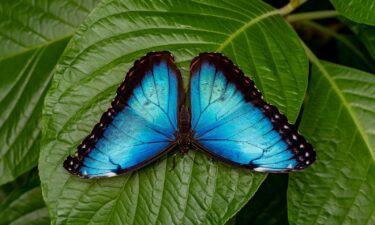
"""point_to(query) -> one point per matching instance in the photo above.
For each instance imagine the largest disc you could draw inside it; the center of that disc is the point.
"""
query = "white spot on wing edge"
(260, 169)
(111, 174)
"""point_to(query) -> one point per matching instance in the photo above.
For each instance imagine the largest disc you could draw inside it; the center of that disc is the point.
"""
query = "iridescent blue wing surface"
(230, 120)
(139, 127)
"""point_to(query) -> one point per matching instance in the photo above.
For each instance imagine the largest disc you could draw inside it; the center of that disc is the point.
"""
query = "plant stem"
(312, 15)
(340, 38)
(291, 6)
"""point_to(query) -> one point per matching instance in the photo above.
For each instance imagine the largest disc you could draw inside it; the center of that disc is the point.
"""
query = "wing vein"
(169, 90)
(236, 141)
(212, 86)
(250, 126)
(156, 89)
(157, 105)
(219, 125)
(134, 110)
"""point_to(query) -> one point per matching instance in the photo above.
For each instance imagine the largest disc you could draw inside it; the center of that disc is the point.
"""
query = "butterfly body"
(227, 119)
(184, 135)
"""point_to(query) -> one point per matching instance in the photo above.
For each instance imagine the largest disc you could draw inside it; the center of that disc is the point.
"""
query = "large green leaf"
(361, 11)
(23, 203)
(26, 24)
(339, 119)
(24, 80)
(33, 35)
(26, 208)
(185, 189)
(15, 188)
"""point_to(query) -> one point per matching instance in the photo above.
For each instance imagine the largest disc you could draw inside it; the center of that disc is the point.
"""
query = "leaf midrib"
(347, 106)
(245, 26)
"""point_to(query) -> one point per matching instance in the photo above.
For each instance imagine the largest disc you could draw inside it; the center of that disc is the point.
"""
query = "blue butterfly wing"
(139, 127)
(230, 120)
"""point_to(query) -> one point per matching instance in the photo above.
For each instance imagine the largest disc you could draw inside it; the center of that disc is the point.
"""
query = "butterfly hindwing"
(230, 120)
(139, 127)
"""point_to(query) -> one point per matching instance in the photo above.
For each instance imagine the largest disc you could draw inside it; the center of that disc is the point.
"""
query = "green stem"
(291, 6)
(340, 38)
(312, 15)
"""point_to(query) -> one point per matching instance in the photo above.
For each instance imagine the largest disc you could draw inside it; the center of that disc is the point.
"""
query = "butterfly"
(227, 119)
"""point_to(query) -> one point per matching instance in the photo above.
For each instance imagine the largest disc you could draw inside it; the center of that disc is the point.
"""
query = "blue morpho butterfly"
(227, 119)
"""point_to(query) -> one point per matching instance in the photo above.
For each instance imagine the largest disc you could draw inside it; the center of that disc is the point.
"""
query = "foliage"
(23, 203)
(29, 49)
(346, 133)
(361, 11)
(335, 108)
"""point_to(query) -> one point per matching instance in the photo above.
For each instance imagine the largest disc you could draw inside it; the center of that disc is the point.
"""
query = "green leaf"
(23, 203)
(360, 11)
(24, 182)
(339, 119)
(26, 24)
(27, 208)
(185, 189)
(32, 37)
(24, 81)
(365, 33)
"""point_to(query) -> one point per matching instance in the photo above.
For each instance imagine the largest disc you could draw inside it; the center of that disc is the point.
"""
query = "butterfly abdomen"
(184, 133)
(184, 120)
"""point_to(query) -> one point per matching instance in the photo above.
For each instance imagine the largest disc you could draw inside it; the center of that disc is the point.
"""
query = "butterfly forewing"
(141, 124)
(230, 120)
